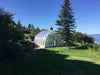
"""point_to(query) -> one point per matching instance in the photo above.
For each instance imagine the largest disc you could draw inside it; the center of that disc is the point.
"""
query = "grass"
(78, 54)
(54, 61)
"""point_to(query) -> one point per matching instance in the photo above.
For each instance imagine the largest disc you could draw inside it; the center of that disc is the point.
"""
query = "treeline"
(78, 37)
(29, 32)
(84, 41)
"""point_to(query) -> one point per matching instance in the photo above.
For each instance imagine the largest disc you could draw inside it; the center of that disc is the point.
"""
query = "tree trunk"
(1, 51)
(67, 46)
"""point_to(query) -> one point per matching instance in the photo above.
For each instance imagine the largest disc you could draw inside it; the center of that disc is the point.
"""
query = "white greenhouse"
(46, 39)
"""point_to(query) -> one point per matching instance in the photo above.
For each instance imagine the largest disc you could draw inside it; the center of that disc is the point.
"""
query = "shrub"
(94, 47)
(32, 38)
(14, 51)
(82, 45)
(28, 46)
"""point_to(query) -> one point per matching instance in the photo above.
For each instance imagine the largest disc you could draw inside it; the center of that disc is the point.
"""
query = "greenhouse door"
(55, 42)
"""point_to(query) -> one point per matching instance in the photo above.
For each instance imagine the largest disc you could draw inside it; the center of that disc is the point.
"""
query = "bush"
(94, 47)
(82, 45)
(14, 51)
(32, 38)
(28, 46)
(28, 43)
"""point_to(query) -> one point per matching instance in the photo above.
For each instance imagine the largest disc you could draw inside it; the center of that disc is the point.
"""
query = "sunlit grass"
(78, 54)
(54, 61)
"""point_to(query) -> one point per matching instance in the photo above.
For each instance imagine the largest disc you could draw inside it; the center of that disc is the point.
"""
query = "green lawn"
(78, 54)
(54, 61)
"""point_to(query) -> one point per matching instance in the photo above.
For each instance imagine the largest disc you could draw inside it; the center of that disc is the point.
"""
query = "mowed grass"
(54, 61)
(78, 54)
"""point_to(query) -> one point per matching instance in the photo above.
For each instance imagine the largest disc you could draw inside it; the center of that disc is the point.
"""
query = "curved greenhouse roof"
(43, 35)
(45, 39)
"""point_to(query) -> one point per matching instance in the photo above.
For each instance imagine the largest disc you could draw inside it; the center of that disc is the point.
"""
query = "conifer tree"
(29, 26)
(51, 28)
(32, 26)
(19, 25)
(66, 22)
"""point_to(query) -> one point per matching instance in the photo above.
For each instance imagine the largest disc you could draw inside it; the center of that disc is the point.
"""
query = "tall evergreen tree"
(32, 26)
(51, 28)
(66, 22)
(29, 26)
(23, 27)
(37, 29)
(19, 25)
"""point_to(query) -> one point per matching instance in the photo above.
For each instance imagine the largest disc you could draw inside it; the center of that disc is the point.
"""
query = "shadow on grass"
(80, 47)
(48, 63)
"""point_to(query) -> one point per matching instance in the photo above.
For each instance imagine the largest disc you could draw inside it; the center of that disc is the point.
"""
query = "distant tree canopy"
(29, 26)
(44, 29)
(32, 26)
(79, 37)
(19, 25)
(51, 28)
(30, 31)
(35, 31)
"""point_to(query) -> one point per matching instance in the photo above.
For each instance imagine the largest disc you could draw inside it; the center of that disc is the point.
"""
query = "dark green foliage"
(27, 43)
(82, 41)
(44, 29)
(31, 31)
(32, 38)
(19, 25)
(82, 46)
(5, 19)
(32, 26)
(9, 33)
(88, 39)
(78, 37)
(23, 27)
(15, 34)
(51, 28)
(66, 22)
(94, 47)
(29, 26)
(26, 31)
(29, 46)
(14, 51)
(35, 31)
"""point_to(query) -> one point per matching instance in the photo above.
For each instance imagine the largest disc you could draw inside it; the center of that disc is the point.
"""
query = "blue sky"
(44, 13)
